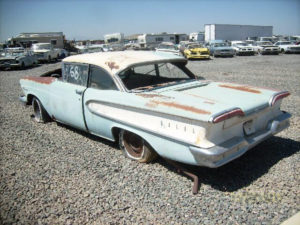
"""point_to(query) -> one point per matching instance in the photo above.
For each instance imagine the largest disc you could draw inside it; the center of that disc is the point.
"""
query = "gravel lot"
(53, 174)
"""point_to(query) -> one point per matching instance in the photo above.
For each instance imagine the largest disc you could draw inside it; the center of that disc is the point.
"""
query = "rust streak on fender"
(112, 65)
(154, 103)
(241, 88)
(42, 80)
(152, 96)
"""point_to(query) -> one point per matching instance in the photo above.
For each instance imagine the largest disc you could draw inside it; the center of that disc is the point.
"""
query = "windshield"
(221, 45)
(153, 76)
(241, 44)
(264, 43)
(285, 43)
(14, 53)
(194, 46)
(172, 47)
(41, 46)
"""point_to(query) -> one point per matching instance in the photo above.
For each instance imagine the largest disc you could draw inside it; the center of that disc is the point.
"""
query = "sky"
(91, 19)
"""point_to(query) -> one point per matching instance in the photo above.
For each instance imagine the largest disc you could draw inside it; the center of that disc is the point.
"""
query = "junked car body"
(17, 58)
(220, 48)
(242, 48)
(168, 47)
(196, 51)
(153, 104)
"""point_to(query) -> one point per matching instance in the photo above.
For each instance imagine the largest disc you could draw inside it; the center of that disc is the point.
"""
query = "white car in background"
(242, 48)
(45, 52)
(168, 47)
(287, 47)
(266, 47)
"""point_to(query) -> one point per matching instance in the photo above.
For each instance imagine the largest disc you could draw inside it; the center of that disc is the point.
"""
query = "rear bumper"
(235, 147)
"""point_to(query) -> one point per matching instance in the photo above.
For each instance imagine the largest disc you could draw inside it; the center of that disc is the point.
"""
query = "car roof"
(117, 61)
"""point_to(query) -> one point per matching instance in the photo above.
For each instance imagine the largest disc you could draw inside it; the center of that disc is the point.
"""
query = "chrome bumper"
(227, 151)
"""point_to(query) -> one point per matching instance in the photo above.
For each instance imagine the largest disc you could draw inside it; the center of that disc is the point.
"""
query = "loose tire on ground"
(40, 114)
(135, 147)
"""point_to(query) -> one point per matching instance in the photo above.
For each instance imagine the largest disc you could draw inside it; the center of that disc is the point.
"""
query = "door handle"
(79, 92)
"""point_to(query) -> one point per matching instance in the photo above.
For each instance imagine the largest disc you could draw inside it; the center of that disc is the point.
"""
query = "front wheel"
(40, 114)
(135, 147)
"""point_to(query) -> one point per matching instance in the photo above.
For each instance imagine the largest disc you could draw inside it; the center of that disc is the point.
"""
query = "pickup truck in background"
(45, 52)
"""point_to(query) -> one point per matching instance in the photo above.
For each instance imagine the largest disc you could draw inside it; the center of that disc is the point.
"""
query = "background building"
(235, 32)
(116, 38)
(153, 40)
(27, 39)
(197, 36)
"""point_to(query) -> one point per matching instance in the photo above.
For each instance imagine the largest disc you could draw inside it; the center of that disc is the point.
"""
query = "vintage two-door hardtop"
(153, 104)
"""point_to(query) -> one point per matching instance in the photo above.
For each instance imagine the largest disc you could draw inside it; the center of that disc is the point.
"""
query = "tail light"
(278, 96)
(226, 115)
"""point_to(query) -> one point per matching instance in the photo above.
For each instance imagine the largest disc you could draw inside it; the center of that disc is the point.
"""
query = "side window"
(75, 73)
(100, 79)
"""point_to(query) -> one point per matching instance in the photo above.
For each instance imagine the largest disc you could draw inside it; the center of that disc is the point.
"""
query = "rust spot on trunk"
(154, 103)
(241, 88)
(42, 80)
(153, 96)
(112, 65)
(207, 102)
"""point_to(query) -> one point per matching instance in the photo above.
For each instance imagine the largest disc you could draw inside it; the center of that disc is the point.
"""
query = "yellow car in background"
(196, 51)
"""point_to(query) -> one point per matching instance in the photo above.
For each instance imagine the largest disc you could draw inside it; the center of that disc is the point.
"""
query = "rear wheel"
(40, 114)
(135, 147)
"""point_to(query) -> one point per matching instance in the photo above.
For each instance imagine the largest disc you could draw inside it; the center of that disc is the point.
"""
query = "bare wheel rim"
(133, 144)
(36, 110)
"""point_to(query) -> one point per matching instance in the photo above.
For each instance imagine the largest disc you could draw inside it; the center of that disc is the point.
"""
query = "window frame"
(116, 83)
(79, 64)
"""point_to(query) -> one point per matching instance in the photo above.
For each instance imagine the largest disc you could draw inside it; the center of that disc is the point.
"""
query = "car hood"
(223, 48)
(8, 58)
(200, 100)
(41, 51)
(198, 49)
(268, 46)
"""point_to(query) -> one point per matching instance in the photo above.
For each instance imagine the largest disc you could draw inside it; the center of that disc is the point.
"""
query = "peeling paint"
(42, 80)
(241, 88)
(207, 102)
(112, 65)
(154, 103)
(153, 96)
(197, 96)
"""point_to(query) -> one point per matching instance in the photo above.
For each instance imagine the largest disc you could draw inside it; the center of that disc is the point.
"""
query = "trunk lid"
(201, 100)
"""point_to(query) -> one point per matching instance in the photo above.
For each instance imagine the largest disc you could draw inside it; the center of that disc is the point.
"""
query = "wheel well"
(29, 99)
(115, 132)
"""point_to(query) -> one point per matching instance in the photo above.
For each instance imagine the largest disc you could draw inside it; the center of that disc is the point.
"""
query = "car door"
(101, 89)
(67, 95)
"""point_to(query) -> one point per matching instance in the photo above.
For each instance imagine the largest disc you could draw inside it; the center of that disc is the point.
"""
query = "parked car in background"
(17, 58)
(196, 51)
(242, 48)
(45, 52)
(63, 53)
(168, 47)
(220, 48)
(288, 47)
(266, 47)
(153, 104)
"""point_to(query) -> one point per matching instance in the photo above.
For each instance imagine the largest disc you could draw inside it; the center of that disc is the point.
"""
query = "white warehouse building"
(114, 38)
(153, 40)
(235, 32)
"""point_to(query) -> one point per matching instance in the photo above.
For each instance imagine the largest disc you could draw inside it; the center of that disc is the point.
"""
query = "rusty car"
(152, 104)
